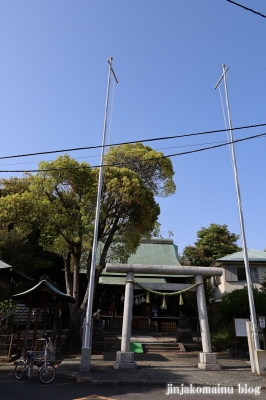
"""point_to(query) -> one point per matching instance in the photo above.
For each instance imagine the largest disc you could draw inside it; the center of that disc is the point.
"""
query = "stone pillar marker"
(257, 357)
(207, 359)
(125, 357)
(251, 347)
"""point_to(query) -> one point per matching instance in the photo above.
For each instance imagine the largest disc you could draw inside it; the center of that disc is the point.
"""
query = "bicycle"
(47, 371)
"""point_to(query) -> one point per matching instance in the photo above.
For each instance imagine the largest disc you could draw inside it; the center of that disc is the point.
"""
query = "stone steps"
(195, 346)
(160, 347)
(151, 347)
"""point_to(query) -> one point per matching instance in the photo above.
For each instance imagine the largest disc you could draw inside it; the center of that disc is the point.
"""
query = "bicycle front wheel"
(20, 369)
(47, 373)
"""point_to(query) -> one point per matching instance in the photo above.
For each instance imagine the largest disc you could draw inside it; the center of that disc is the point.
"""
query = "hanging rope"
(163, 293)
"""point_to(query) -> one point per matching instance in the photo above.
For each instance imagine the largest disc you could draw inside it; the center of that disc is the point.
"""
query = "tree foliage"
(236, 304)
(60, 201)
(155, 170)
(21, 249)
(19, 230)
(212, 243)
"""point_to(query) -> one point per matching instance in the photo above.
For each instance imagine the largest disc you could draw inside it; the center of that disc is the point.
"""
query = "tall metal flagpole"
(242, 228)
(87, 335)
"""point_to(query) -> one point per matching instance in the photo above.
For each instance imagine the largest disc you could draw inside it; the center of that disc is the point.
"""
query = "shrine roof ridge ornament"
(167, 269)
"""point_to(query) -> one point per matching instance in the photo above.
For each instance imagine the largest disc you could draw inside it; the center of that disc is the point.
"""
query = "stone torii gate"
(125, 358)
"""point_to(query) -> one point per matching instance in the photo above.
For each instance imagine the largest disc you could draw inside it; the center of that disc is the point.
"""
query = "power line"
(97, 156)
(131, 142)
(246, 8)
(148, 159)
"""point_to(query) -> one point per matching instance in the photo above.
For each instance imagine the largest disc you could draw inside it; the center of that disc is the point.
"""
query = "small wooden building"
(47, 298)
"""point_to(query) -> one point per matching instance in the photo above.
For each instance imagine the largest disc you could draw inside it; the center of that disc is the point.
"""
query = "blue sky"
(168, 56)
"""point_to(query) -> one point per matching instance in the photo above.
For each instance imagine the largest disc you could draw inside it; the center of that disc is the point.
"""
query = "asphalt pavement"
(160, 370)
(173, 373)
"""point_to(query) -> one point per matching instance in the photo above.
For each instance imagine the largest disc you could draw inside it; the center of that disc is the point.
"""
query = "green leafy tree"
(155, 170)
(236, 304)
(21, 249)
(19, 236)
(212, 243)
(60, 199)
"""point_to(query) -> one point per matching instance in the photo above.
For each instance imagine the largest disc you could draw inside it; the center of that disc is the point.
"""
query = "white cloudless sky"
(168, 56)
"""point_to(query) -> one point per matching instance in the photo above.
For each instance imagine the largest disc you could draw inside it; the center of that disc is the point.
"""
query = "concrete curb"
(102, 382)
(258, 381)
(157, 370)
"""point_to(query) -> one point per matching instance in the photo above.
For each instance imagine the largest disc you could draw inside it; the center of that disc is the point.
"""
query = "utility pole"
(253, 316)
(88, 326)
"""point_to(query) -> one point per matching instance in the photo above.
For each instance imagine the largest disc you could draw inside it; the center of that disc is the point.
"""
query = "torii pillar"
(125, 358)
(207, 359)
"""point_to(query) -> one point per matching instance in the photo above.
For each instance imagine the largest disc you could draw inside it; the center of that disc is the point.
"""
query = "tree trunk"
(101, 265)
(68, 275)
(104, 253)
(73, 342)
(85, 298)
(77, 256)
(73, 336)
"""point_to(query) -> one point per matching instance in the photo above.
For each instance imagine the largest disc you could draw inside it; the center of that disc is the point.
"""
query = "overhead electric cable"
(131, 142)
(97, 156)
(148, 159)
(246, 8)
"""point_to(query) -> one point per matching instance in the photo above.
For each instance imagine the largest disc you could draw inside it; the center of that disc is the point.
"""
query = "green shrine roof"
(156, 252)
(253, 255)
(150, 252)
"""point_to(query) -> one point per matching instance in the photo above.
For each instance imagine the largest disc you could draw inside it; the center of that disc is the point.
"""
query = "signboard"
(240, 326)
(262, 322)
(21, 315)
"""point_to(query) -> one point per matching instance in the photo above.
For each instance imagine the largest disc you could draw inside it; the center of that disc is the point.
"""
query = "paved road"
(11, 389)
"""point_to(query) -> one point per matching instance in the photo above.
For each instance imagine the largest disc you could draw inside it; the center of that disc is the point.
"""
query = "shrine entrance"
(125, 358)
